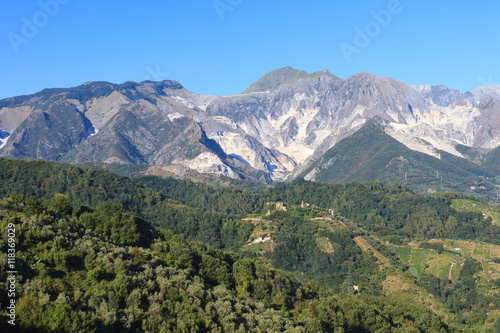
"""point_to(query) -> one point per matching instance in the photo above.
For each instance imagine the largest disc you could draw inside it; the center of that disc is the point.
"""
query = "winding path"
(451, 268)
(437, 264)
(365, 246)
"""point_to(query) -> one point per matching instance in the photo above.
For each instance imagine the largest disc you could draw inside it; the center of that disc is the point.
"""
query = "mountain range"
(288, 123)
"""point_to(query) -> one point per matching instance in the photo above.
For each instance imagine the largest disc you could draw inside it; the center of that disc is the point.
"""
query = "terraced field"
(366, 247)
(397, 283)
(449, 262)
(419, 261)
(324, 244)
(328, 224)
(406, 290)
(475, 206)
(404, 252)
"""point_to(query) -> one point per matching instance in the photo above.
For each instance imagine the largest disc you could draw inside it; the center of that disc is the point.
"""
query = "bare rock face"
(273, 131)
(306, 117)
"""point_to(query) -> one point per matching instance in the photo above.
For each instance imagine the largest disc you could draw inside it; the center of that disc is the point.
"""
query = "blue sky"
(222, 46)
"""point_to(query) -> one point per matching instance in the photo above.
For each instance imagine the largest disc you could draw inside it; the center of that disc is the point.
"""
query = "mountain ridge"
(282, 76)
(274, 132)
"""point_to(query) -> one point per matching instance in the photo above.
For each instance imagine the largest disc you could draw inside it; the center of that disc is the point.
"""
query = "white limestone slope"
(3, 141)
(100, 110)
(208, 162)
(440, 128)
(297, 127)
(282, 130)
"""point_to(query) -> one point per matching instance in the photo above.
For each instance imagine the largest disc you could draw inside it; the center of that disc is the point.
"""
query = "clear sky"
(221, 47)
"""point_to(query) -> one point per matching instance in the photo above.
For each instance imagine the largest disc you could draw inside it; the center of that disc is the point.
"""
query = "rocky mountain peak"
(292, 121)
(165, 84)
(363, 77)
(481, 92)
(282, 76)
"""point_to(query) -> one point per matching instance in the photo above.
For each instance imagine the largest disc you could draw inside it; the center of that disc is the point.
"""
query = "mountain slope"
(101, 256)
(49, 132)
(372, 155)
(131, 123)
(274, 131)
(492, 161)
(281, 76)
(93, 279)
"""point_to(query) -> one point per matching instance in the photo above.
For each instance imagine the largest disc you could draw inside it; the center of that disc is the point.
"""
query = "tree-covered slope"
(370, 154)
(492, 161)
(85, 186)
(88, 270)
(331, 234)
(211, 214)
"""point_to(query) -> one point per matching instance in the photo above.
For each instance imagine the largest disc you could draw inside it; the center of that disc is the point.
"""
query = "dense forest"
(102, 269)
(388, 209)
(84, 232)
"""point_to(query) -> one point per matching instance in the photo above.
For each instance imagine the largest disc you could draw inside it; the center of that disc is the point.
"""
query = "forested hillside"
(103, 270)
(342, 239)
(388, 209)
(370, 155)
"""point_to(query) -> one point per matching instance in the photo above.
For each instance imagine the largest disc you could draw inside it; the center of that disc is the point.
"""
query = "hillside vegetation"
(380, 243)
(102, 269)
(372, 155)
